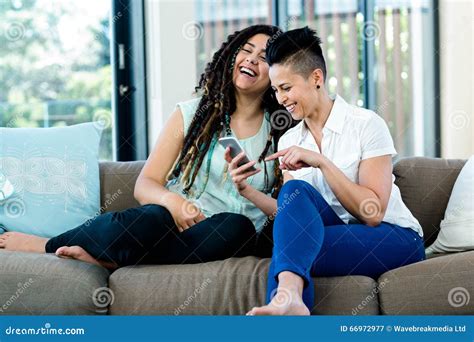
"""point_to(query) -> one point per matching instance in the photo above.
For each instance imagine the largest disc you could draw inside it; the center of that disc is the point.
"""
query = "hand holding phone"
(240, 168)
(235, 150)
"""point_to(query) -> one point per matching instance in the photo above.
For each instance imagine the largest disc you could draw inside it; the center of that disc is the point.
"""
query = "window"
(55, 65)
(218, 19)
(380, 54)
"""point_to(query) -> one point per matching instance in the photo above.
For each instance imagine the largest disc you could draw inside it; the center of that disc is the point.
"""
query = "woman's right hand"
(185, 214)
(239, 174)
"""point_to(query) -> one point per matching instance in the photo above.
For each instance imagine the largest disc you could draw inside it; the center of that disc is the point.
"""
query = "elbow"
(371, 212)
(375, 220)
(137, 193)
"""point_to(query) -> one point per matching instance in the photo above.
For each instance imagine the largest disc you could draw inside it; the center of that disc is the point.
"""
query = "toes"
(250, 313)
(258, 311)
(65, 251)
(264, 310)
(60, 250)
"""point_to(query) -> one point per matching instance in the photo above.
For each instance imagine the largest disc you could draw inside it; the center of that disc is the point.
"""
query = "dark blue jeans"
(311, 240)
(148, 235)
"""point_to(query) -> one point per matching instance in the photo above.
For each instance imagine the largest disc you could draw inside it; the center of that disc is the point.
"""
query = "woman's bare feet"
(285, 302)
(79, 253)
(288, 300)
(15, 241)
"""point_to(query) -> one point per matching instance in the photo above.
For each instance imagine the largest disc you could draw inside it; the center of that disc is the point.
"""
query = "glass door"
(55, 67)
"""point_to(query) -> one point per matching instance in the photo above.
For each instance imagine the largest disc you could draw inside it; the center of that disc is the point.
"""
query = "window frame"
(129, 101)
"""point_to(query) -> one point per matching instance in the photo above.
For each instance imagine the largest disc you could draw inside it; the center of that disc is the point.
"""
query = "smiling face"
(250, 73)
(297, 93)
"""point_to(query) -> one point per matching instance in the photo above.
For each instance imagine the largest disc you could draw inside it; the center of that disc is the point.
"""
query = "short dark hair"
(300, 48)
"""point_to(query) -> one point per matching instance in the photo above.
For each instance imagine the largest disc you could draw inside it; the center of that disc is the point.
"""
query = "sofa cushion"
(425, 185)
(55, 177)
(228, 287)
(437, 286)
(43, 284)
(117, 181)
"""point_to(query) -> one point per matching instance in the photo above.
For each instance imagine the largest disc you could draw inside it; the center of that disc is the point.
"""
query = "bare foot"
(285, 302)
(14, 241)
(79, 253)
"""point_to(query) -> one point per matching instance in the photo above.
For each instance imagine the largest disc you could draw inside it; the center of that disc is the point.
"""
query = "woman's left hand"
(238, 173)
(295, 158)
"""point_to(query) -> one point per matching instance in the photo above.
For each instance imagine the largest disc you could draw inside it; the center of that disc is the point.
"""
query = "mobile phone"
(235, 149)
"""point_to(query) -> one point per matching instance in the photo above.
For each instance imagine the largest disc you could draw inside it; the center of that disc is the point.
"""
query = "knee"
(294, 188)
(293, 185)
(243, 224)
(153, 213)
(245, 236)
(236, 228)
(138, 221)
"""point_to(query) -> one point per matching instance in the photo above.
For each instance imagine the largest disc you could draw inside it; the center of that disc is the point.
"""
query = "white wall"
(456, 79)
(171, 66)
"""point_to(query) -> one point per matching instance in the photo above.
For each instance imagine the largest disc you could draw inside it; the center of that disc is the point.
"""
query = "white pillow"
(457, 227)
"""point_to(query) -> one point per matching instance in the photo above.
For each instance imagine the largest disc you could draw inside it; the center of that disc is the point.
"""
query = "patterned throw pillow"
(53, 177)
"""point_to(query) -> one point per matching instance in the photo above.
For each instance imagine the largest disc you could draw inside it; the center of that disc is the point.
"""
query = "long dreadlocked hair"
(218, 98)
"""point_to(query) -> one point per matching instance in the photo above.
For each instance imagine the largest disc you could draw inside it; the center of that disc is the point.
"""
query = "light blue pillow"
(55, 177)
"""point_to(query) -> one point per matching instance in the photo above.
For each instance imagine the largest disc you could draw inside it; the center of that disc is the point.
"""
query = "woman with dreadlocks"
(190, 210)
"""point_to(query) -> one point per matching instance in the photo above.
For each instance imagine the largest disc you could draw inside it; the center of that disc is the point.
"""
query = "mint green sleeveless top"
(220, 194)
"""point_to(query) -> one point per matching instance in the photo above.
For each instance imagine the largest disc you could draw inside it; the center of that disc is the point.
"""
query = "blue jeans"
(311, 240)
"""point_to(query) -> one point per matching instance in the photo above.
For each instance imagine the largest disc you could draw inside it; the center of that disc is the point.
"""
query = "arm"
(150, 186)
(265, 203)
(367, 200)
(239, 175)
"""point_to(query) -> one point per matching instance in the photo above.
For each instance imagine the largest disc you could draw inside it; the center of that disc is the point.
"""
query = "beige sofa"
(45, 285)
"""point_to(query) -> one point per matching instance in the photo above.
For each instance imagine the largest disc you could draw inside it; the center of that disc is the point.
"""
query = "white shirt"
(351, 134)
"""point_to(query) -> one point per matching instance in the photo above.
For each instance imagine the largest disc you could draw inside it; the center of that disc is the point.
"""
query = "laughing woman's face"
(251, 69)
(294, 91)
